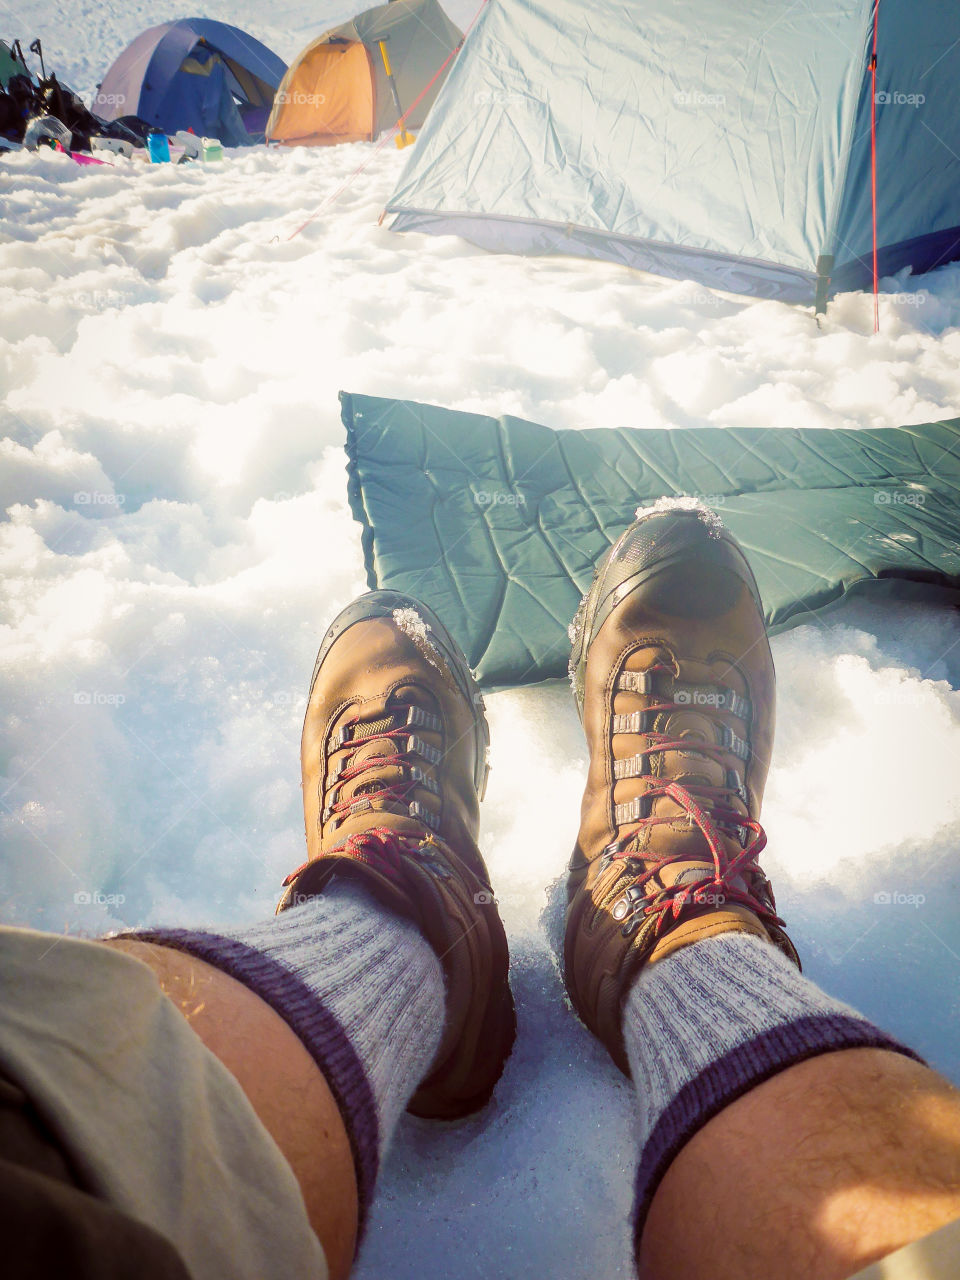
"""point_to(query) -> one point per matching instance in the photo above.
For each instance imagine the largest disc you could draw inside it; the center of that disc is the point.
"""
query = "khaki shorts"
(150, 1121)
(156, 1127)
(934, 1257)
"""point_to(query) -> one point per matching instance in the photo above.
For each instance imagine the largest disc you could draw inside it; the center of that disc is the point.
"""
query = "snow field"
(177, 536)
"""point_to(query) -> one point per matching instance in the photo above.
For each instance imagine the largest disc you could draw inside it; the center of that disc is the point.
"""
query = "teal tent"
(10, 65)
(726, 143)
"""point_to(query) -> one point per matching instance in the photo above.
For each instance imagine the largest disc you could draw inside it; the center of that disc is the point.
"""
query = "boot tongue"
(695, 731)
(382, 715)
(688, 768)
(371, 728)
(379, 718)
(701, 724)
(413, 695)
(374, 779)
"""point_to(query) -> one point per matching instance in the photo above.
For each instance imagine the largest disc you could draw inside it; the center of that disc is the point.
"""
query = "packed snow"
(177, 536)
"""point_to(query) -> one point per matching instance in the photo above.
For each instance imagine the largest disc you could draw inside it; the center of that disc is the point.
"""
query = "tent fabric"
(156, 78)
(201, 98)
(10, 66)
(312, 107)
(729, 144)
(342, 77)
(497, 523)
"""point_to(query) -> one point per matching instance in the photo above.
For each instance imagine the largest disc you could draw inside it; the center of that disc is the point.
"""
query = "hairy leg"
(281, 1081)
(816, 1173)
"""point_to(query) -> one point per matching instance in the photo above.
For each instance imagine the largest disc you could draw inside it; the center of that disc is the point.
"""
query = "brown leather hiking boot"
(394, 760)
(674, 682)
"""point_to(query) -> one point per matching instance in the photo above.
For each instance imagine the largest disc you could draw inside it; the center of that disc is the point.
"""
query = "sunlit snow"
(177, 536)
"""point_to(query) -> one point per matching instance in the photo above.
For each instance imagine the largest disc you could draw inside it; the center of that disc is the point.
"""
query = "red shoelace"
(381, 849)
(413, 778)
(719, 812)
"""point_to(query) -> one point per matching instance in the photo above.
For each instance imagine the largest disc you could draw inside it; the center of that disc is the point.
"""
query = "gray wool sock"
(708, 1023)
(361, 987)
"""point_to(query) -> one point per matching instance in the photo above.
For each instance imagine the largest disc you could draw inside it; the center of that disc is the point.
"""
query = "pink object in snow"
(81, 157)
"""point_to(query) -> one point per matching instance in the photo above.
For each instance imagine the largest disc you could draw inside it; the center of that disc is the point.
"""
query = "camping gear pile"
(202, 84)
(40, 109)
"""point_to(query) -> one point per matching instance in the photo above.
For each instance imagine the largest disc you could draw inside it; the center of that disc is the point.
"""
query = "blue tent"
(194, 74)
(724, 143)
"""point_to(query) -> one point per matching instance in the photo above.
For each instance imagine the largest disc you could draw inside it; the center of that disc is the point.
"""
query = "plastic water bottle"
(159, 148)
(212, 150)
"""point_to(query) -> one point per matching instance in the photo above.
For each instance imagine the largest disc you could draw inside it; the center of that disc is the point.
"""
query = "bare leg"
(815, 1174)
(281, 1081)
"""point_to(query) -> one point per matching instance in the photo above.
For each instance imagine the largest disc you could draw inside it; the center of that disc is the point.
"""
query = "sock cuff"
(318, 1029)
(735, 1073)
(711, 1022)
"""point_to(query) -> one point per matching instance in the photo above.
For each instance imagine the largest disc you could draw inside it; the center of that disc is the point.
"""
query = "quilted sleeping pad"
(497, 523)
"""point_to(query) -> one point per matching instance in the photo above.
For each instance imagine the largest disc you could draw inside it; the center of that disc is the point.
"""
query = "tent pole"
(403, 139)
(824, 271)
(873, 166)
(37, 48)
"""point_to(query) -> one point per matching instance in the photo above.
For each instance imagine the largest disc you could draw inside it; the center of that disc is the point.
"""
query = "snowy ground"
(177, 536)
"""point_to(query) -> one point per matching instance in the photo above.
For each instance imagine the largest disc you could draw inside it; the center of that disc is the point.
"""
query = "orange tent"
(338, 89)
